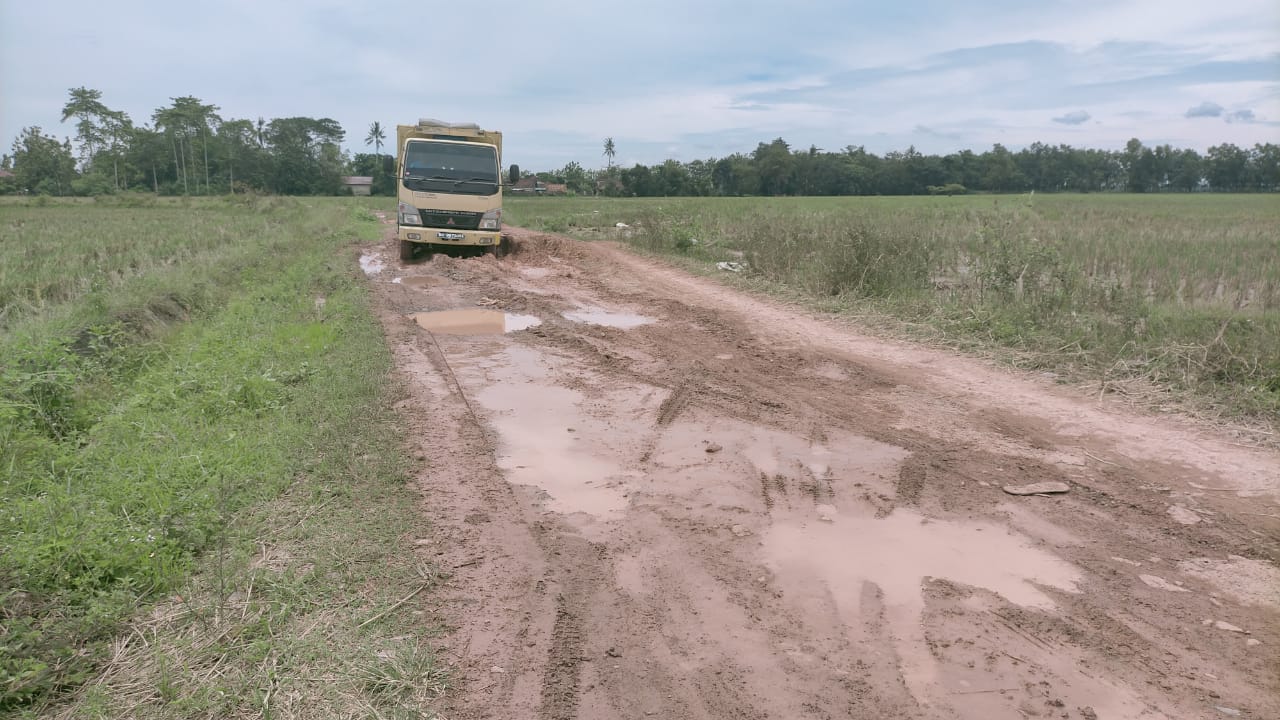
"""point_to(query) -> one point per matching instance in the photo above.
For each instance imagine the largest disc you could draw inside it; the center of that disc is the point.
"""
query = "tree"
(776, 167)
(306, 153)
(1226, 167)
(609, 150)
(575, 178)
(41, 164)
(1265, 163)
(376, 137)
(183, 122)
(86, 106)
(1001, 172)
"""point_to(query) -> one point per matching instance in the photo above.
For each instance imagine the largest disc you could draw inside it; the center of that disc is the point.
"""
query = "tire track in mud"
(562, 676)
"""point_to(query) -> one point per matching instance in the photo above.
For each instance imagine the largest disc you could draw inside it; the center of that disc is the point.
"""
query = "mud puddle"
(835, 555)
(473, 322)
(608, 318)
(551, 439)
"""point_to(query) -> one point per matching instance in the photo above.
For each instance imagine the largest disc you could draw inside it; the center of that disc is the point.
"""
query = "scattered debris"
(1126, 561)
(1224, 625)
(740, 530)
(496, 669)
(1040, 488)
(827, 513)
(621, 226)
(371, 264)
(1252, 642)
(731, 266)
(1160, 583)
(613, 652)
(1229, 712)
(714, 448)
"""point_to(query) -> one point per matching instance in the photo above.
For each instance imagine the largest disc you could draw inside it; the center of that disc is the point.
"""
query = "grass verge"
(206, 511)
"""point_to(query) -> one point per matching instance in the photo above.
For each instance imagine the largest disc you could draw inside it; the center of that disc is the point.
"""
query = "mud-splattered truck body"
(449, 187)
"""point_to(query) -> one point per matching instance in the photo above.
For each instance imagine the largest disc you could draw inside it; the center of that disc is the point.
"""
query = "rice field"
(1172, 297)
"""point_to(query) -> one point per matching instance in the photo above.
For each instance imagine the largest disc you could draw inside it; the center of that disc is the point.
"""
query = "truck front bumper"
(443, 236)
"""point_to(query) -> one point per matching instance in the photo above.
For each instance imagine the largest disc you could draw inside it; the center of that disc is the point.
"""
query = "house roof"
(5, 173)
(357, 180)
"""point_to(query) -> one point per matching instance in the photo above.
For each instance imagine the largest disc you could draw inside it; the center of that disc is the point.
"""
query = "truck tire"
(406, 250)
(503, 248)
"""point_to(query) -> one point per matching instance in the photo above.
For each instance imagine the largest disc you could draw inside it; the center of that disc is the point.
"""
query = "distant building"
(6, 174)
(531, 184)
(357, 185)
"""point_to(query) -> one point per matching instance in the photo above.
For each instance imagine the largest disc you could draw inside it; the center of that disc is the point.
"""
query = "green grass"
(1179, 294)
(203, 489)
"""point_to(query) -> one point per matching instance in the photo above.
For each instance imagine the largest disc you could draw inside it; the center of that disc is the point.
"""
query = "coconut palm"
(376, 137)
(609, 150)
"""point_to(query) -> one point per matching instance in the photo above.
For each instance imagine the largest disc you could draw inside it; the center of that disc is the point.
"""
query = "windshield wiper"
(476, 179)
(424, 177)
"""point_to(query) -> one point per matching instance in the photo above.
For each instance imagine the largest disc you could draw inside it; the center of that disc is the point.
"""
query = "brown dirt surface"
(670, 499)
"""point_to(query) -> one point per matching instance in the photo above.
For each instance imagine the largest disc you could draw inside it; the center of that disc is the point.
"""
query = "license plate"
(450, 236)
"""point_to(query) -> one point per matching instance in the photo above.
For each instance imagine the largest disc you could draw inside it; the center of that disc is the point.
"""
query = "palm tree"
(376, 137)
(609, 150)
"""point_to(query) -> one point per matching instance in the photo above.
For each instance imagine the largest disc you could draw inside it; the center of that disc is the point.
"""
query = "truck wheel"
(406, 251)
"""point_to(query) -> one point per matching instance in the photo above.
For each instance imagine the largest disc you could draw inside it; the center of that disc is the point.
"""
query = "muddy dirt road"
(661, 498)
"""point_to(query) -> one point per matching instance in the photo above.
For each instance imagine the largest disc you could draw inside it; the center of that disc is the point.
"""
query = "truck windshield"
(450, 167)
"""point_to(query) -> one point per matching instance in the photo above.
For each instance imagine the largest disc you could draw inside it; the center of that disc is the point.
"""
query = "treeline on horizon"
(189, 149)
(775, 169)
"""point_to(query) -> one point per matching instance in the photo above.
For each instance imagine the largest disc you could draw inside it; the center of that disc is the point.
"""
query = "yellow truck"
(449, 187)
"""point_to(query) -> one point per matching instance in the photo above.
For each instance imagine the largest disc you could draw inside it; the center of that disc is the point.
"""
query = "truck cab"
(449, 188)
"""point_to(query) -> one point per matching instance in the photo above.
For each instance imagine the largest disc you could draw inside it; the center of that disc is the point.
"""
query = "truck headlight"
(408, 214)
(491, 220)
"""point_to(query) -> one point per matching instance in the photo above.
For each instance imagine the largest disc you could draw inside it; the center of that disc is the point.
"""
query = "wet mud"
(720, 507)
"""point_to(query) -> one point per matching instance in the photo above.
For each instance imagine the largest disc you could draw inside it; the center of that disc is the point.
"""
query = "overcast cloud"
(673, 78)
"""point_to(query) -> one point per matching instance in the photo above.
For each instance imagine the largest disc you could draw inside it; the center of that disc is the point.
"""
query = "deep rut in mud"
(658, 497)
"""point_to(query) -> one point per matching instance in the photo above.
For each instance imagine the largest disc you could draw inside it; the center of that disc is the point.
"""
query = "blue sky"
(680, 79)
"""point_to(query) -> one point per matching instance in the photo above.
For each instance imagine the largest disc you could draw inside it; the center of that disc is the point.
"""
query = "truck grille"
(451, 219)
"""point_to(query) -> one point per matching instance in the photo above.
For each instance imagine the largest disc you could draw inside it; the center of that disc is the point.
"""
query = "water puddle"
(897, 553)
(371, 264)
(549, 439)
(608, 318)
(473, 322)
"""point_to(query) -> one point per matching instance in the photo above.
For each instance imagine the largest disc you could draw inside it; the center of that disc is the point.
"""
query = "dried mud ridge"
(668, 499)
